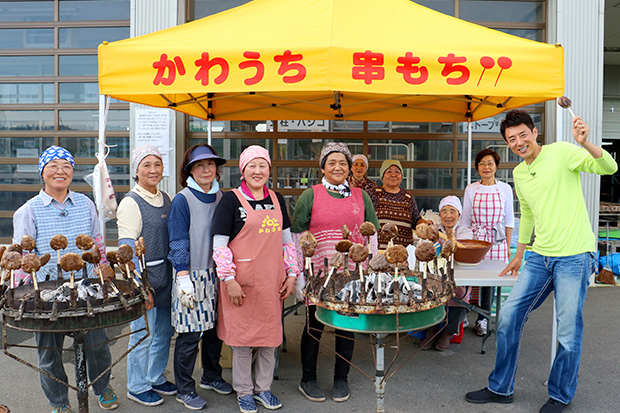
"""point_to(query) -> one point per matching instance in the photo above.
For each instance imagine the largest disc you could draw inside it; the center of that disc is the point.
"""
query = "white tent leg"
(209, 131)
(104, 105)
(469, 145)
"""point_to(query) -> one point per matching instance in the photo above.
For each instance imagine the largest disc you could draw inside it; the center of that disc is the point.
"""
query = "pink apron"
(329, 214)
(257, 253)
(488, 210)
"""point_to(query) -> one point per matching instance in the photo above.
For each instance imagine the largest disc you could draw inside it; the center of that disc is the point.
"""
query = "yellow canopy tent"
(332, 59)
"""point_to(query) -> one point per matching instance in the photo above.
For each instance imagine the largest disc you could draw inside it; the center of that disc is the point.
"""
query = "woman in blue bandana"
(56, 208)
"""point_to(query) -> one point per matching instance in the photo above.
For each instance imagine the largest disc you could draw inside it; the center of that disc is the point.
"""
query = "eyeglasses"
(55, 168)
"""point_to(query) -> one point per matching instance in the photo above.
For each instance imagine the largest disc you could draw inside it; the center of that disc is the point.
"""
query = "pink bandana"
(253, 152)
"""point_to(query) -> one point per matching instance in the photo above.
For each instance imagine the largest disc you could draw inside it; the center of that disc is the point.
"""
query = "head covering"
(139, 153)
(331, 147)
(362, 157)
(452, 201)
(203, 152)
(387, 163)
(54, 152)
(253, 152)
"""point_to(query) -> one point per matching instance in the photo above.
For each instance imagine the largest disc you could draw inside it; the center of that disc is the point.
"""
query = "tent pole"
(469, 145)
(209, 130)
(103, 116)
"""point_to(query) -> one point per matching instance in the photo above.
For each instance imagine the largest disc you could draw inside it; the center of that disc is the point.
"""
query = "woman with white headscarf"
(143, 212)
(359, 174)
(450, 210)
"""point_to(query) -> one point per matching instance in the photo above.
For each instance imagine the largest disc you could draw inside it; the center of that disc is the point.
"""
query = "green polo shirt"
(549, 191)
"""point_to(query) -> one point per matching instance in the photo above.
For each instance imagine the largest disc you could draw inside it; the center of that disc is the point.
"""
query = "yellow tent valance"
(332, 59)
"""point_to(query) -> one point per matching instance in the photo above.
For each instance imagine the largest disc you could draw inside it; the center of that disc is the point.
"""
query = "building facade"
(49, 95)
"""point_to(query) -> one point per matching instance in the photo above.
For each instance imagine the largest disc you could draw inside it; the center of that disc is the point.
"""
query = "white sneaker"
(481, 327)
(465, 323)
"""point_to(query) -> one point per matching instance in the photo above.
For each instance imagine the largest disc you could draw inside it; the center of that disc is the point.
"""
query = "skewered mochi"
(111, 257)
(45, 258)
(344, 245)
(139, 247)
(379, 263)
(31, 263)
(96, 254)
(124, 254)
(448, 248)
(565, 102)
(88, 256)
(11, 260)
(308, 243)
(15, 248)
(84, 242)
(367, 229)
(71, 262)
(345, 232)
(28, 243)
(2, 251)
(358, 253)
(59, 242)
(427, 231)
(107, 272)
(132, 267)
(432, 233)
(425, 251)
(337, 260)
(389, 230)
(396, 254)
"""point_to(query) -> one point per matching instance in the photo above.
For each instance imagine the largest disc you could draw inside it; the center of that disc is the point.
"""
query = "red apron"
(257, 253)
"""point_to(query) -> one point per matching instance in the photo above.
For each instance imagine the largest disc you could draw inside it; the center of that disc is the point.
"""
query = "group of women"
(203, 229)
(486, 214)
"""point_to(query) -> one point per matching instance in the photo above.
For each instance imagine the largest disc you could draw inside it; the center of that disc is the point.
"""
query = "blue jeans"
(568, 278)
(98, 359)
(147, 362)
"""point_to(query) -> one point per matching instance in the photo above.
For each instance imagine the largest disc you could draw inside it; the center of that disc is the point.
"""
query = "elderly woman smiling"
(322, 210)
(359, 174)
(395, 205)
(450, 210)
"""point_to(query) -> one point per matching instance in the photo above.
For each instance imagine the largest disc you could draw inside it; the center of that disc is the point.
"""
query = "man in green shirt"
(548, 186)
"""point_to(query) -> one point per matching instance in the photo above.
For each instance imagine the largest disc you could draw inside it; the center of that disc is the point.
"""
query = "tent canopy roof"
(332, 59)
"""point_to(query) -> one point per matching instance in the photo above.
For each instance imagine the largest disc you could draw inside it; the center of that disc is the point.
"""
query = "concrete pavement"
(429, 382)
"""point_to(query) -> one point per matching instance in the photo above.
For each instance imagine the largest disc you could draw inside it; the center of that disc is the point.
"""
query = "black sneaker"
(312, 391)
(487, 396)
(341, 391)
(553, 406)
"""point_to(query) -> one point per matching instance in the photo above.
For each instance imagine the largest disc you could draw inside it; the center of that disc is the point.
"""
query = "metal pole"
(81, 380)
(209, 131)
(104, 105)
(380, 372)
(469, 145)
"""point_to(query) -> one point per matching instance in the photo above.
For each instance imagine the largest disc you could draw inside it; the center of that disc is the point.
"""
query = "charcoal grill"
(28, 314)
(381, 320)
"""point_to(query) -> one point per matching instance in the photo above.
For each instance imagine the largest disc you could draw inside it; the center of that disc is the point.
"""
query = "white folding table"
(484, 274)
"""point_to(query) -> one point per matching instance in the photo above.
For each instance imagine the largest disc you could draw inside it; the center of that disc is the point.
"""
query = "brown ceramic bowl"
(473, 253)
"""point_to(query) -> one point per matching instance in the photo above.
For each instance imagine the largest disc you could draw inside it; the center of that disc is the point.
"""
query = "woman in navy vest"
(143, 212)
(194, 294)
